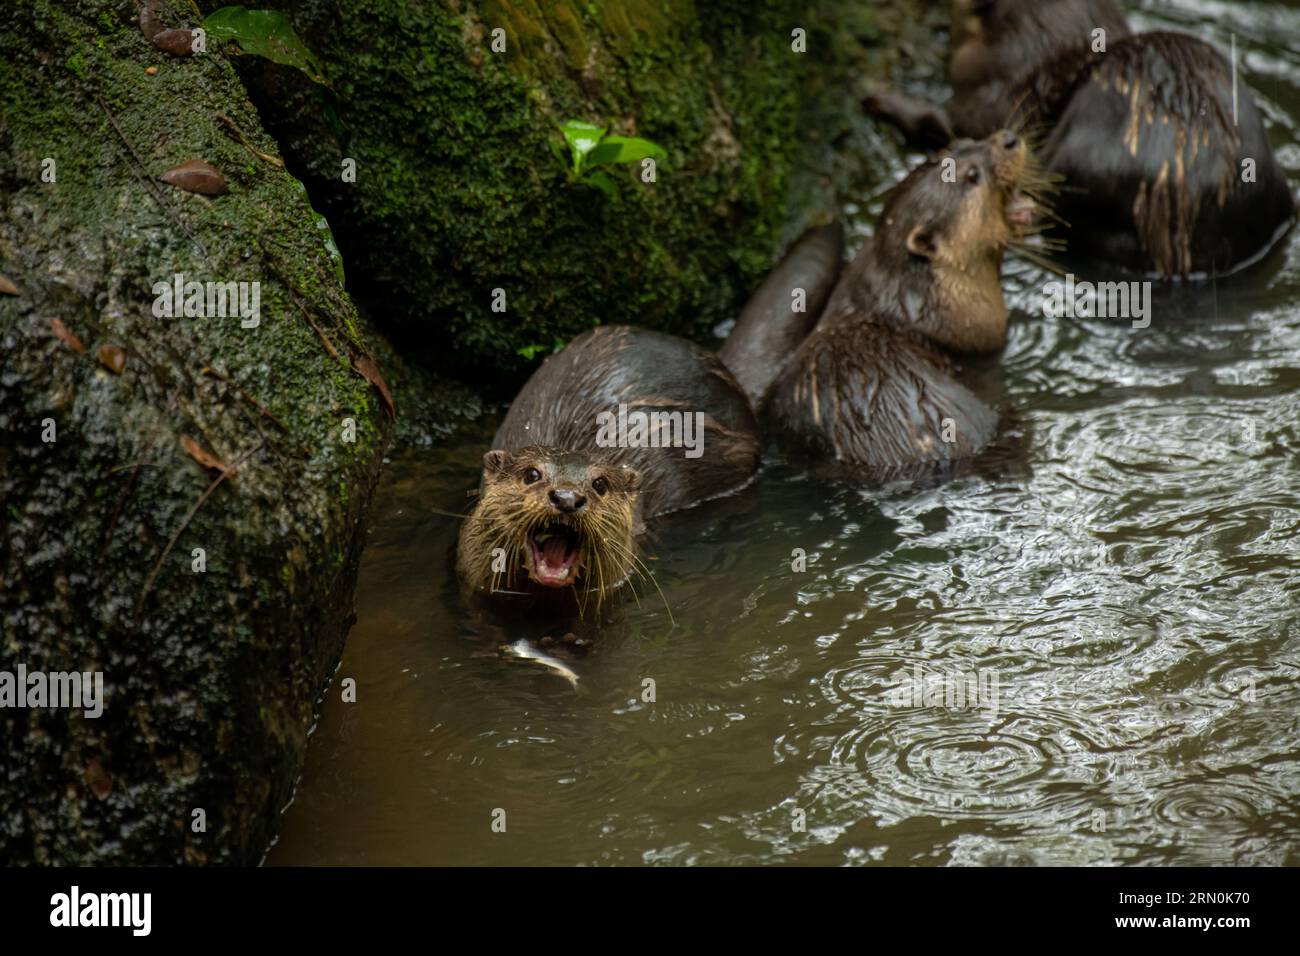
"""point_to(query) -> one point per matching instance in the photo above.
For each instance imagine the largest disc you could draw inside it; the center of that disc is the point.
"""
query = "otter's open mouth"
(1020, 211)
(553, 554)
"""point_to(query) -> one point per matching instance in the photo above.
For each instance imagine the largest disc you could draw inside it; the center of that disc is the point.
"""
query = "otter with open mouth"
(561, 507)
(876, 387)
(550, 518)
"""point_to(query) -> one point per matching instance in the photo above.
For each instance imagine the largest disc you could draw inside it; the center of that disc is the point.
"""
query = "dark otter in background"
(874, 387)
(572, 479)
(1162, 175)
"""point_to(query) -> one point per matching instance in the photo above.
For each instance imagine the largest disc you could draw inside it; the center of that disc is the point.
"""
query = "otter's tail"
(784, 310)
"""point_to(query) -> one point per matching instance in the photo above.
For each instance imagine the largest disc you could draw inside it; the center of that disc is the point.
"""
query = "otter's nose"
(567, 500)
(1008, 140)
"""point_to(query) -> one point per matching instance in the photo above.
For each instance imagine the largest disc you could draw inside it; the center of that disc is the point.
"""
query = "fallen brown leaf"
(175, 42)
(113, 358)
(196, 451)
(66, 337)
(7, 287)
(196, 176)
(98, 779)
(368, 369)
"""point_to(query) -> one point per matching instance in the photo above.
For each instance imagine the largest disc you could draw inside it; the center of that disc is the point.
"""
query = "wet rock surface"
(449, 112)
(181, 496)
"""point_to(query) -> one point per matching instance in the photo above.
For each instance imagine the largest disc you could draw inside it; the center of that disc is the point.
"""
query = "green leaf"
(264, 33)
(601, 181)
(531, 352)
(582, 139)
(558, 150)
(623, 149)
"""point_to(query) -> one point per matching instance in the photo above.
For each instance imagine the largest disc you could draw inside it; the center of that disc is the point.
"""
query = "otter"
(784, 309)
(1165, 174)
(621, 426)
(875, 387)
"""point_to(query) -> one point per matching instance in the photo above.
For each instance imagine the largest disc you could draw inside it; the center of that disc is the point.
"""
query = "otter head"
(560, 519)
(988, 22)
(939, 244)
(969, 19)
(974, 64)
(997, 47)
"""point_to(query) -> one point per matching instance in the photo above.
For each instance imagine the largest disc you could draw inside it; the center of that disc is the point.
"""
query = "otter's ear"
(920, 242)
(496, 460)
(631, 478)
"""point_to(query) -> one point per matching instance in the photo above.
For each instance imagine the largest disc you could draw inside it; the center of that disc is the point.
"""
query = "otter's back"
(874, 398)
(1150, 142)
(588, 398)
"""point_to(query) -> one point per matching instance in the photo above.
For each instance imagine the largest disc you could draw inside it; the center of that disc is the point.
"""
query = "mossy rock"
(457, 192)
(211, 678)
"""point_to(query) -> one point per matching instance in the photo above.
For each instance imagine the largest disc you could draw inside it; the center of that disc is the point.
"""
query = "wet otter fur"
(784, 310)
(1143, 133)
(875, 388)
(560, 511)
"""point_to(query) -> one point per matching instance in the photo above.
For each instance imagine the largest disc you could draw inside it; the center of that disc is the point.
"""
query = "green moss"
(457, 192)
(77, 63)
(247, 645)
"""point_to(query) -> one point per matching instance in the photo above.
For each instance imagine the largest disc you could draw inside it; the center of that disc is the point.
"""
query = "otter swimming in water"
(1164, 172)
(875, 387)
(622, 426)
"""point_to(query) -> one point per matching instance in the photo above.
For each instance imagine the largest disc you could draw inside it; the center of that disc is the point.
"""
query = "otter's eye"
(531, 476)
(973, 175)
(600, 485)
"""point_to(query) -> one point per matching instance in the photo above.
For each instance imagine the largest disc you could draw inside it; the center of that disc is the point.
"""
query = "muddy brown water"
(1114, 592)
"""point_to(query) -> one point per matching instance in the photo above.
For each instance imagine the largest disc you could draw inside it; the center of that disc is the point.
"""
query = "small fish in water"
(526, 651)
